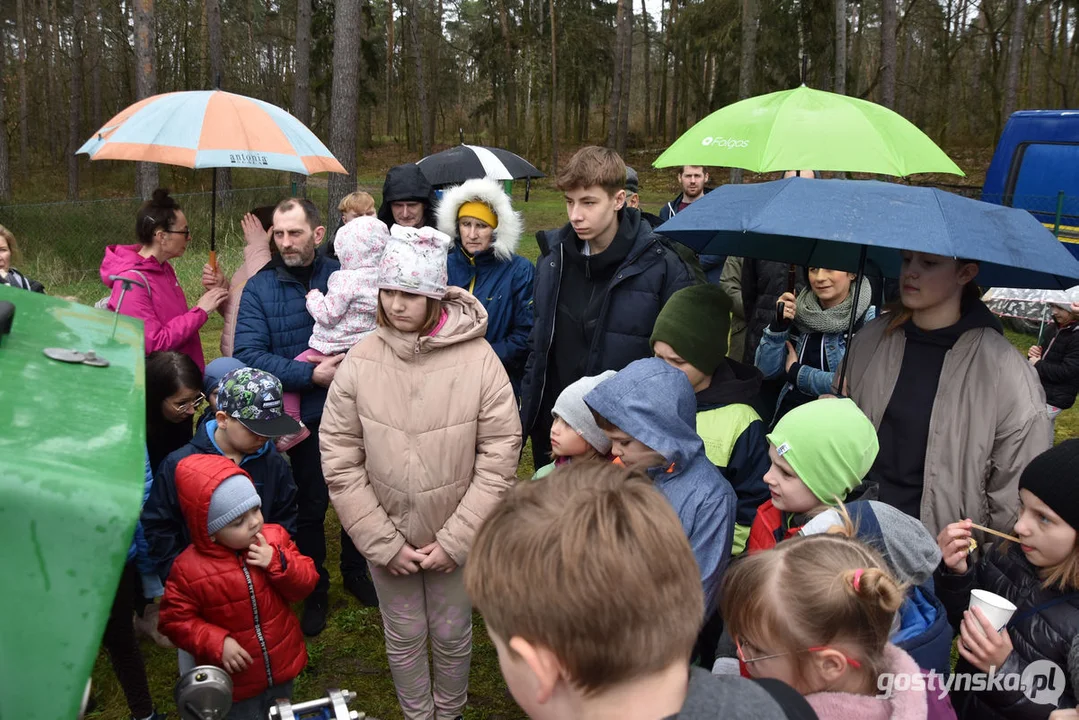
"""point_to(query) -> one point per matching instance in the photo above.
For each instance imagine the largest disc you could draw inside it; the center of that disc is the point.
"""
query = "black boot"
(361, 587)
(314, 615)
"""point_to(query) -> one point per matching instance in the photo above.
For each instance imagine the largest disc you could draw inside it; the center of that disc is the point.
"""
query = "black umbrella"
(465, 162)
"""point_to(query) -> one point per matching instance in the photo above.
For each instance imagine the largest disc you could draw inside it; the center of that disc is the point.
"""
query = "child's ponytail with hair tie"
(875, 586)
(857, 581)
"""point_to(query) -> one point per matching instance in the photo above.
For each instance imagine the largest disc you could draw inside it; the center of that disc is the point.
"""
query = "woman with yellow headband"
(483, 260)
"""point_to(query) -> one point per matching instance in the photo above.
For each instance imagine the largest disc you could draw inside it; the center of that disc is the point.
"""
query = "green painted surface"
(72, 459)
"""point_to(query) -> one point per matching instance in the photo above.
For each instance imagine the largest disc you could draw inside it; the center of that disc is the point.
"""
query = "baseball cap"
(253, 397)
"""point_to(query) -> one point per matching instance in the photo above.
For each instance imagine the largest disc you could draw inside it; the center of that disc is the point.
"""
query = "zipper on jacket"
(258, 623)
(550, 340)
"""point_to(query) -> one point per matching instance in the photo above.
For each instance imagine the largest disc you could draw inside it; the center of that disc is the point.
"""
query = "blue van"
(1036, 159)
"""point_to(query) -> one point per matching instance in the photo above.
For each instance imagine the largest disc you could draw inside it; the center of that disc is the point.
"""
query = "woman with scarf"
(806, 342)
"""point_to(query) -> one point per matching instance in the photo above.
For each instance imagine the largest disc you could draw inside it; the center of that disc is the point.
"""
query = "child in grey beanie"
(575, 434)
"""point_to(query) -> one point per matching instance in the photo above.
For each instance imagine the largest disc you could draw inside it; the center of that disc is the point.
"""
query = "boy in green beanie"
(690, 334)
(820, 451)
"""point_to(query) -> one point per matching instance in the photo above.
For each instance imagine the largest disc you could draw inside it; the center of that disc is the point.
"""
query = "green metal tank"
(72, 459)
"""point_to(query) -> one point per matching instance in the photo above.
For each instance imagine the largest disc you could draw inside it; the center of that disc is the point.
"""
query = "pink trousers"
(415, 607)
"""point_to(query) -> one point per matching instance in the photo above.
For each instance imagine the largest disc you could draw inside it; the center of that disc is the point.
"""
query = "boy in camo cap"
(250, 412)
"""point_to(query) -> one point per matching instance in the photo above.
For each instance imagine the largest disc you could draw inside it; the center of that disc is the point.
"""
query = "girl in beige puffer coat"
(420, 437)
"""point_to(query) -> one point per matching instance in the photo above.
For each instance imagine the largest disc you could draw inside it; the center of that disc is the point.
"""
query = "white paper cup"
(997, 610)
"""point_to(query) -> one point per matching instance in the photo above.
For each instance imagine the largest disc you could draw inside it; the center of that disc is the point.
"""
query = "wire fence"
(64, 242)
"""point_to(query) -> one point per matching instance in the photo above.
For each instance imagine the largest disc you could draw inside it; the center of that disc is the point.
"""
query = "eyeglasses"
(191, 406)
(741, 655)
(186, 231)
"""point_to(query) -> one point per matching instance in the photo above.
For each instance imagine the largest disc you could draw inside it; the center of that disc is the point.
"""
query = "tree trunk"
(24, 105)
(661, 102)
(414, 21)
(217, 77)
(1015, 52)
(1065, 66)
(511, 81)
(301, 89)
(888, 53)
(5, 160)
(46, 42)
(614, 104)
(389, 68)
(554, 94)
(840, 84)
(345, 101)
(627, 77)
(672, 118)
(433, 68)
(146, 178)
(97, 43)
(74, 127)
(748, 63)
(645, 18)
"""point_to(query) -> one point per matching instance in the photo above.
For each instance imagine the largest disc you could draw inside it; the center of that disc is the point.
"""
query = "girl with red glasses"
(829, 640)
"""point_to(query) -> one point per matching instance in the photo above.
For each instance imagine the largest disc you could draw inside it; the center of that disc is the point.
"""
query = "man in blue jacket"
(601, 281)
(272, 328)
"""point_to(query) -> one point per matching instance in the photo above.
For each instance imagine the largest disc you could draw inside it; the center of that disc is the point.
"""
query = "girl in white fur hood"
(483, 260)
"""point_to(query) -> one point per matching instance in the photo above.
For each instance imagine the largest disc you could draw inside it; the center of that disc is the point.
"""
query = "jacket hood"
(121, 258)
(197, 476)
(975, 315)
(407, 182)
(910, 550)
(508, 233)
(732, 383)
(359, 243)
(466, 319)
(653, 403)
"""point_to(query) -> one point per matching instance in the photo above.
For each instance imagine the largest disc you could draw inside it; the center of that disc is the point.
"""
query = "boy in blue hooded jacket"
(649, 412)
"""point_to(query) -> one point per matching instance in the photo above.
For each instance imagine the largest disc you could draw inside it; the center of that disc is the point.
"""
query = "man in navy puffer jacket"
(272, 328)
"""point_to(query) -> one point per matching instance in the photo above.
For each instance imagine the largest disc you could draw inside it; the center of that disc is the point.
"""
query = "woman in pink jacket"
(420, 437)
(163, 235)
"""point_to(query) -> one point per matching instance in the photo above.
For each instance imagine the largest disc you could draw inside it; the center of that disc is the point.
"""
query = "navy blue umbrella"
(839, 224)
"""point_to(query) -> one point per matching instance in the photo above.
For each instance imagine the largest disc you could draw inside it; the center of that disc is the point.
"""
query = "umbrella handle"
(213, 260)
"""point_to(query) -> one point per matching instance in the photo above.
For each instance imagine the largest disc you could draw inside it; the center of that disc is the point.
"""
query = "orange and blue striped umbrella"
(211, 129)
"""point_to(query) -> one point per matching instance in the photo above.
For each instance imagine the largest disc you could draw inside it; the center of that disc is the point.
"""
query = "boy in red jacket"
(227, 597)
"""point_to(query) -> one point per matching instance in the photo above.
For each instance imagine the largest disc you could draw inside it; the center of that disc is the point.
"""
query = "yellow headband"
(480, 211)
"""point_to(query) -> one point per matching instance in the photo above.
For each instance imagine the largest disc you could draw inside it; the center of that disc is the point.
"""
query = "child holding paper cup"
(1019, 605)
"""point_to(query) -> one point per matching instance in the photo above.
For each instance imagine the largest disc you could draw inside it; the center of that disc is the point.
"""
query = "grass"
(64, 244)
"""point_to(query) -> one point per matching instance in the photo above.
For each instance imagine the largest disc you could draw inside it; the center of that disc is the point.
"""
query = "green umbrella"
(805, 129)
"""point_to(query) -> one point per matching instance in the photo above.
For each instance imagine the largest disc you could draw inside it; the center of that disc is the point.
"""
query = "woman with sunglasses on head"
(828, 637)
(158, 300)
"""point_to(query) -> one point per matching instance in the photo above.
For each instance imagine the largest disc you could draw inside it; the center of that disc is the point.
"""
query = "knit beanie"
(570, 406)
(479, 210)
(1053, 477)
(696, 322)
(414, 261)
(829, 443)
(231, 499)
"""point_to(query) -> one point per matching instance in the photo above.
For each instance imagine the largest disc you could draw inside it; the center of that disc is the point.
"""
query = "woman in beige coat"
(959, 413)
(420, 437)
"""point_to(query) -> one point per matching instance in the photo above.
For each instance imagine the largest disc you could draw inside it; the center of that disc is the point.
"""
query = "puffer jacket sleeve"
(1022, 433)
(291, 573)
(498, 447)
(1062, 370)
(180, 622)
(679, 276)
(252, 343)
(513, 349)
(343, 457)
(159, 336)
(730, 282)
(139, 549)
(772, 353)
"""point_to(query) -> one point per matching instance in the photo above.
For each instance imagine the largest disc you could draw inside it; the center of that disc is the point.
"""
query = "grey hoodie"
(712, 697)
(654, 404)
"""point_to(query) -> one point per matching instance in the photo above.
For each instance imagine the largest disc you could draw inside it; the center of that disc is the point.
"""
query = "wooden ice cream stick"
(991, 531)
